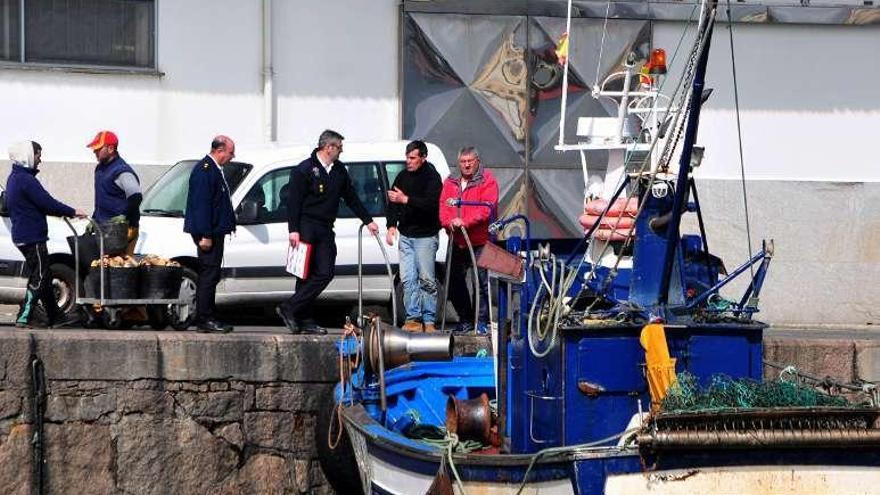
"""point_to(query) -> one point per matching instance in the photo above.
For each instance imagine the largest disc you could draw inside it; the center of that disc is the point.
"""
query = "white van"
(254, 258)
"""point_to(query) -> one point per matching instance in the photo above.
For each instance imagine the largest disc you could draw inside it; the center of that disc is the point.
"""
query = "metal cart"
(107, 310)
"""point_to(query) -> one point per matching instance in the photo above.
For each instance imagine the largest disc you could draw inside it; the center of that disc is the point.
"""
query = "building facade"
(168, 75)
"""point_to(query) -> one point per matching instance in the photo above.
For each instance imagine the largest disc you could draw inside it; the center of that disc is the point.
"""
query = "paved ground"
(255, 320)
(245, 320)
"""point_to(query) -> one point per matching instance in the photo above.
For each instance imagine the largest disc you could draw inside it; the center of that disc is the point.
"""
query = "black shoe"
(310, 326)
(212, 326)
(289, 322)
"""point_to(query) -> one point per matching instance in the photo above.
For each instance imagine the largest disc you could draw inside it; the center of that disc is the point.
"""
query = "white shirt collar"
(327, 168)
(221, 174)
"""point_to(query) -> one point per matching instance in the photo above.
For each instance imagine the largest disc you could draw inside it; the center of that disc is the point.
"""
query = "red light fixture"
(657, 62)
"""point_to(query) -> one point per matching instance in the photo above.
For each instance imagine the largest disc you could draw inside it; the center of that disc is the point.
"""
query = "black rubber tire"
(64, 283)
(157, 315)
(188, 283)
(91, 318)
(339, 464)
(112, 319)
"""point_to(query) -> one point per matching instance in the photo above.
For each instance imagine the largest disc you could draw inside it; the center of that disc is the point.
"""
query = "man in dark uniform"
(209, 218)
(315, 187)
(117, 187)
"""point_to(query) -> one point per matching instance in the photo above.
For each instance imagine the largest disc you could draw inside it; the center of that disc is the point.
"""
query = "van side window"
(392, 169)
(270, 194)
(368, 185)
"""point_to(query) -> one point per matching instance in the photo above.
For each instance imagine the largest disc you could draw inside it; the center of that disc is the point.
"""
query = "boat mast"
(684, 164)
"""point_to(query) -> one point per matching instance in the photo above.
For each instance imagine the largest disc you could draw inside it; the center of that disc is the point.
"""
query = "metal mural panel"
(465, 83)
(493, 81)
(811, 12)
(556, 200)
(595, 47)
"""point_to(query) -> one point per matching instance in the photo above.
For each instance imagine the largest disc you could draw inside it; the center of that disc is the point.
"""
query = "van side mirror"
(4, 209)
(247, 212)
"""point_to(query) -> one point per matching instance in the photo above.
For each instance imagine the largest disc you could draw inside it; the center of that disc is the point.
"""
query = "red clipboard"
(298, 260)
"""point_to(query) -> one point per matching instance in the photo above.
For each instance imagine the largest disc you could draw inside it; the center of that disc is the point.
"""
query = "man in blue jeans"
(413, 212)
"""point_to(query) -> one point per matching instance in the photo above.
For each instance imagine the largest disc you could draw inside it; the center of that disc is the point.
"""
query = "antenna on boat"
(562, 51)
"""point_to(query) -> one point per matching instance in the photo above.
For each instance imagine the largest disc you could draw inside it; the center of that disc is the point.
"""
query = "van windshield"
(167, 197)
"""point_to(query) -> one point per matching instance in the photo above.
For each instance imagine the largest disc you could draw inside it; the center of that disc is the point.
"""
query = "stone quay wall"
(165, 413)
(184, 413)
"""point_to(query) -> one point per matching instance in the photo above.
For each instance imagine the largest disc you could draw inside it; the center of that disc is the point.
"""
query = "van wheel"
(182, 315)
(64, 284)
(157, 316)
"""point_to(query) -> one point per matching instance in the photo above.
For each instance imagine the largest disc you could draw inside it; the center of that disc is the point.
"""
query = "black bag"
(88, 250)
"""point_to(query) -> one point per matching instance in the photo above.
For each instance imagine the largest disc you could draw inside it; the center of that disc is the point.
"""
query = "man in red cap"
(117, 187)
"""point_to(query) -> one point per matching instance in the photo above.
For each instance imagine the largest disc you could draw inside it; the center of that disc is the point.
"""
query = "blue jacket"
(208, 206)
(110, 199)
(28, 204)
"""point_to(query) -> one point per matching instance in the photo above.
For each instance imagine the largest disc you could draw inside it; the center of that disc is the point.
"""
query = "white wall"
(808, 101)
(810, 115)
(335, 65)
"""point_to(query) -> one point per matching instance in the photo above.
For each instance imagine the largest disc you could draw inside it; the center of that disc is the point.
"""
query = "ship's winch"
(765, 427)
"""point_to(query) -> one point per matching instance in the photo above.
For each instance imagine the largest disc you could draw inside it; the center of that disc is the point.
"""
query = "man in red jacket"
(475, 184)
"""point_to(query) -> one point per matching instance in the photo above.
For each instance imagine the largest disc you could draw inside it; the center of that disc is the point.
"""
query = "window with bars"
(114, 33)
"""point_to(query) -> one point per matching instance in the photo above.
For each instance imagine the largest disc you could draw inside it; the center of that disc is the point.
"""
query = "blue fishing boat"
(592, 339)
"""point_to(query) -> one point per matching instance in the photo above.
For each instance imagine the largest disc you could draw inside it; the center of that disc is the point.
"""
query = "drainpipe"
(268, 75)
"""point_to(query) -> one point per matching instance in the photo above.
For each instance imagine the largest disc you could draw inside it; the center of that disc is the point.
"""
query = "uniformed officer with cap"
(209, 218)
(117, 187)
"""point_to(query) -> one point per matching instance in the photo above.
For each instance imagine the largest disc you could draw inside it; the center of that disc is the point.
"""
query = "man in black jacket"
(414, 205)
(315, 188)
(209, 218)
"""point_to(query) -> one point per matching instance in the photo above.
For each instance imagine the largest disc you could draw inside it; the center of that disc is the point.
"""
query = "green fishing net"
(724, 392)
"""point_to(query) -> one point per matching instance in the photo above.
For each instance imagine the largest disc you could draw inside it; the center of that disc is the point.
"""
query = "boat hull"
(392, 464)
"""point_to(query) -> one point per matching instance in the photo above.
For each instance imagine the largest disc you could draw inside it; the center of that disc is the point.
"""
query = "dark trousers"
(459, 293)
(322, 269)
(39, 286)
(210, 263)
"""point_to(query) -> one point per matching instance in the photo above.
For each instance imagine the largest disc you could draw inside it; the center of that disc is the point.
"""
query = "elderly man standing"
(316, 186)
(117, 187)
(476, 184)
(414, 209)
(209, 218)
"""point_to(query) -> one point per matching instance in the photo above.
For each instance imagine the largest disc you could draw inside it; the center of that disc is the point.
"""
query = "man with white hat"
(29, 204)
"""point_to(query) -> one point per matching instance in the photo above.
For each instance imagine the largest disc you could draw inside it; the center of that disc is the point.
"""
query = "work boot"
(430, 328)
(412, 326)
(22, 319)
